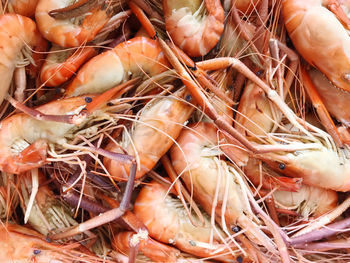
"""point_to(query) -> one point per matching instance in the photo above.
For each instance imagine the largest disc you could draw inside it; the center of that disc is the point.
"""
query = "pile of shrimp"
(174, 131)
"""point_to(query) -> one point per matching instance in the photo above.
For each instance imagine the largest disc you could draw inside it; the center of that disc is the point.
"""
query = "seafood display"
(174, 131)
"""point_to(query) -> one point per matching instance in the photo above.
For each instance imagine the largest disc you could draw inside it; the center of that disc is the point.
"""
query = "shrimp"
(64, 32)
(309, 200)
(189, 26)
(24, 139)
(22, 7)
(60, 65)
(156, 129)
(21, 245)
(16, 33)
(134, 57)
(167, 222)
(192, 157)
(320, 37)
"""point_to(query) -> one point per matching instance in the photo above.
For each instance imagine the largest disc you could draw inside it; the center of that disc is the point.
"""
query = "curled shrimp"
(16, 33)
(167, 222)
(65, 32)
(194, 158)
(134, 57)
(320, 37)
(194, 26)
(156, 129)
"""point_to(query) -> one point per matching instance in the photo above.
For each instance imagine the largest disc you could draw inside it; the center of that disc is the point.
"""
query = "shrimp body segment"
(16, 32)
(24, 139)
(64, 32)
(158, 126)
(54, 71)
(134, 57)
(320, 38)
(195, 33)
(309, 200)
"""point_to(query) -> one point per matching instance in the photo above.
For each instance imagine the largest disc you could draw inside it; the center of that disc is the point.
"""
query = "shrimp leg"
(105, 217)
(321, 109)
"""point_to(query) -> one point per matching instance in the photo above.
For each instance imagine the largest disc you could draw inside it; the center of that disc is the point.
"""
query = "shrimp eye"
(236, 229)
(188, 98)
(88, 99)
(282, 166)
(259, 72)
(192, 243)
(36, 251)
(239, 259)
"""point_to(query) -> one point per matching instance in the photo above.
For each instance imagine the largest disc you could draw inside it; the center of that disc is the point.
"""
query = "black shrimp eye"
(236, 229)
(88, 99)
(282, 166)
(36, 251)
(259, 72)
(239, 259)
(188, 97)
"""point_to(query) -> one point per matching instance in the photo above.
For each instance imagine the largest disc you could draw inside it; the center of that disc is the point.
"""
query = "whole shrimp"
(194, 26)
(167, 222)
(320, 37)
(16, 32)
(159, 124)
(194, 158)
(134, 57)
(64, 31)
